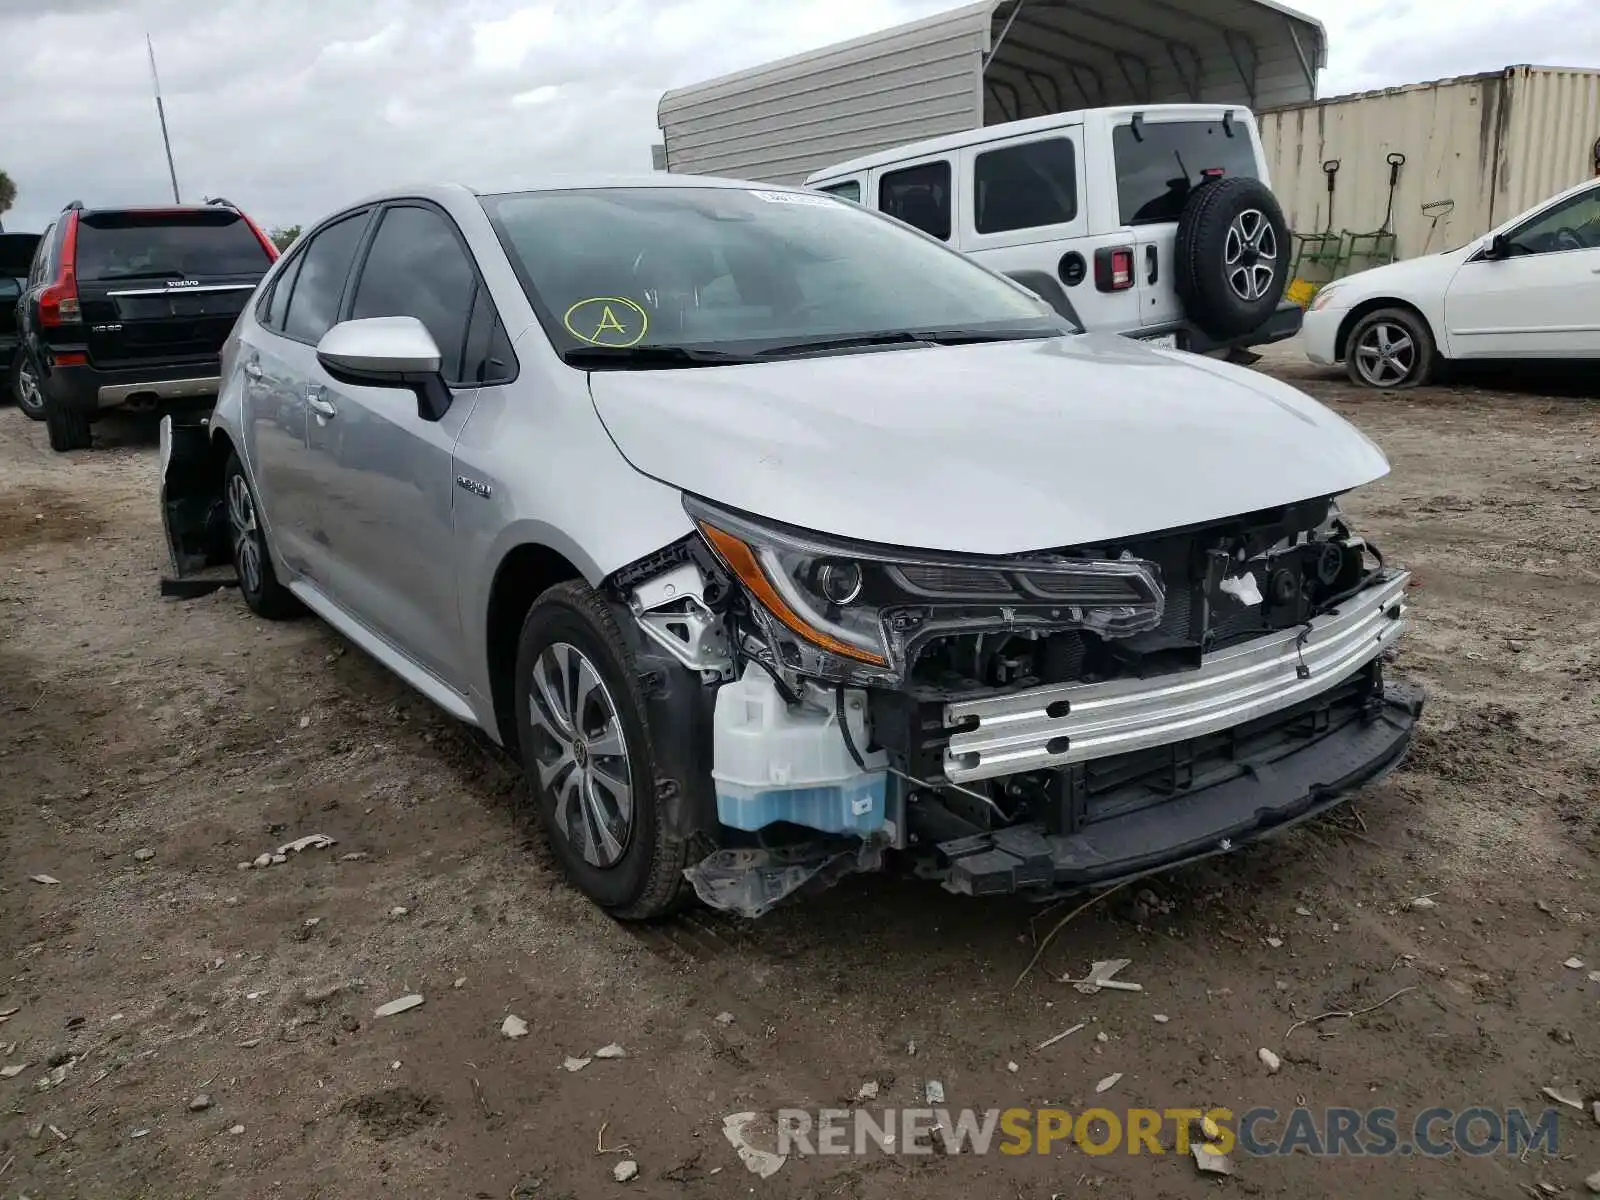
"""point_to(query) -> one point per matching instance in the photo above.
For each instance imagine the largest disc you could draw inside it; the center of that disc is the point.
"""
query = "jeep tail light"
(58, 303)
(1113, 268)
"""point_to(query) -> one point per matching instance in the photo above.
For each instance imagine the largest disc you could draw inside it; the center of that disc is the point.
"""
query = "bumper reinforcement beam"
(1267, 798)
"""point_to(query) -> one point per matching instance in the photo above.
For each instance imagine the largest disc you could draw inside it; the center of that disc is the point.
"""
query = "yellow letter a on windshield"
(608, 321)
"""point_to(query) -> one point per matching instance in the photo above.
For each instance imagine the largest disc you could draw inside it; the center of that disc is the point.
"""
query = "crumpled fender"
(194, 514)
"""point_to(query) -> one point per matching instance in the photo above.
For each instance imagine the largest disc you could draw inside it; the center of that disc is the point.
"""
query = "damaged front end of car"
(1037, 723)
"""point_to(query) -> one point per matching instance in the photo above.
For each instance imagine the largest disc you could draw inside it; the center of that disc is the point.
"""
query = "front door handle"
(252, 370)
(316, 403)
(1152, 262)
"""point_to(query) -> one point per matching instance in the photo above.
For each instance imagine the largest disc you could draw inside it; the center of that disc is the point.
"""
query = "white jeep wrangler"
(1154, 221)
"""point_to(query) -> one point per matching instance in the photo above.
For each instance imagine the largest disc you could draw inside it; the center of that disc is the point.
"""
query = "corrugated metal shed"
(780, 122)
(1491, 145)
(985, 63)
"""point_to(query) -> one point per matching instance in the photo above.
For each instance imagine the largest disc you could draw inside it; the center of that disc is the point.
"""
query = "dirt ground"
(192, 730)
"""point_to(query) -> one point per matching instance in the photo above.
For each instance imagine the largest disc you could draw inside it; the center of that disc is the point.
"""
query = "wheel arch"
(222, 448)
(525, 571)
(1360, 311)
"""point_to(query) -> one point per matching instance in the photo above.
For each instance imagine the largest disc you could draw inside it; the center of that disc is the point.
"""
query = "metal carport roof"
(983, 64)
(1053, 55)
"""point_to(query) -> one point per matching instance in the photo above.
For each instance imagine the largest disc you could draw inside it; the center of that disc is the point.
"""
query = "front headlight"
(1324, 297)
(847, 610)
(814, 590)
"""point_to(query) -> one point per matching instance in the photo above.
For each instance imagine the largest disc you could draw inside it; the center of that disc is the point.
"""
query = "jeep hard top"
(1156, 221)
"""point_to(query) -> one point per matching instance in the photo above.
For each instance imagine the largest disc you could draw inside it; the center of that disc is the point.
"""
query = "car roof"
(929, 147)
(91, 210)
(445, 192)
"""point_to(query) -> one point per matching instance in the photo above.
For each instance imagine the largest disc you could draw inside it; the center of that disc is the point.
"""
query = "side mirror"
(1499, 247)
(388, 352)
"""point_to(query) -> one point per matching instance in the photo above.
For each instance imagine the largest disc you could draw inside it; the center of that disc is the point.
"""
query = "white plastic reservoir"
(775, 763)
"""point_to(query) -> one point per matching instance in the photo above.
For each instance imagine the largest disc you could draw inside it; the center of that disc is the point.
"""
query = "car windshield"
(680, 276)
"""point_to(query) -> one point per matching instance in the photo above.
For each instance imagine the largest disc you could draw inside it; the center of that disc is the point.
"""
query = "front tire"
(1391, 350)
(583, 729)
(252, 562)
(24, 385)
(68, 427)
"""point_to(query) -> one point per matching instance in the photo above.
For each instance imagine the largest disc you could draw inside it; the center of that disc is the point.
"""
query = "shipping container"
(1478, 150)
(984, 64)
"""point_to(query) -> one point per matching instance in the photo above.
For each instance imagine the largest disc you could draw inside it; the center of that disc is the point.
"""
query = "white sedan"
(1527, 290)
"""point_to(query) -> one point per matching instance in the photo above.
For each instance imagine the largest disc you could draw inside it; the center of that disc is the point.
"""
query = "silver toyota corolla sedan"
(778, 541)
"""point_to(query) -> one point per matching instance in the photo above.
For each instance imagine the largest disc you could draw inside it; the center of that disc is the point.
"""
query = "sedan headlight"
(1324, 297)
(848, 610)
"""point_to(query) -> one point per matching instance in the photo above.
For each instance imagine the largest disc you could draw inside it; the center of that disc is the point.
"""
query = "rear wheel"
(25, 387)
(584, 734)
(258, 582)
(68, 427)
(1391, 349)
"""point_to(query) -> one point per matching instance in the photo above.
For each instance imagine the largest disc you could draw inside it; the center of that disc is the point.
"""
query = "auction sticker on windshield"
(793, 198)
(607, 321)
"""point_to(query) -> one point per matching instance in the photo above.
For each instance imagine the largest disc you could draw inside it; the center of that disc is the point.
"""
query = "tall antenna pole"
(161, 112)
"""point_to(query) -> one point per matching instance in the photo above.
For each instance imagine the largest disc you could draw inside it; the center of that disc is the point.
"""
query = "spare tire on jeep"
(1232, 256)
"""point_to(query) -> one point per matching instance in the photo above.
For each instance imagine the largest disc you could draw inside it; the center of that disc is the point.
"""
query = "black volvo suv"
(128, 308)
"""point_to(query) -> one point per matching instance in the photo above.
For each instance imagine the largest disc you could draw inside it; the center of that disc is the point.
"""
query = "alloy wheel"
(580, 754)
(1250, 255)
(246, 539)
(29, 397)
(1386, 354)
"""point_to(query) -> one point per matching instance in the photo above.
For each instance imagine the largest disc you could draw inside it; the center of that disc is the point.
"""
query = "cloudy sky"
(291, 107)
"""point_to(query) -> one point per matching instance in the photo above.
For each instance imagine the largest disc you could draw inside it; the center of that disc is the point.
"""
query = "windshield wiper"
(904, 337)
(967, 337)
(647, 358)
(655, 358)
(822, 345)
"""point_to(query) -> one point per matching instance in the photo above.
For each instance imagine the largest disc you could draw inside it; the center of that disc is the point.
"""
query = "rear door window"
(278, 303)
(43, 257)
(417, 267)
(1160, 162)
(919, 196)
(319, 286)
(157, 245)
(1024, 187)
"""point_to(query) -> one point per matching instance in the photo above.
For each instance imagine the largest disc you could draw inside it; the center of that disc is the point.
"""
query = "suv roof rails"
(76, 204)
